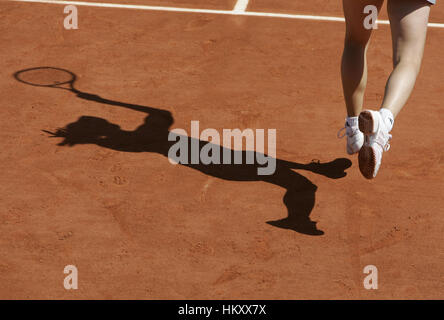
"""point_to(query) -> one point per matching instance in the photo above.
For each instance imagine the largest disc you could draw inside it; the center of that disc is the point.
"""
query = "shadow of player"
(152, 136)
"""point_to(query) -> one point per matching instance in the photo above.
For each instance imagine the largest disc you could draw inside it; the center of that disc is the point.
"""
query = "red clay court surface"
(139, 227)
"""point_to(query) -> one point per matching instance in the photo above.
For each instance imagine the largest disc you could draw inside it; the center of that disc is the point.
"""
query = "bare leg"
(408, 20)
(354, 61)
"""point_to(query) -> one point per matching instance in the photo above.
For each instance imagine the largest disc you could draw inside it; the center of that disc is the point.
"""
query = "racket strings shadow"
(152, 136)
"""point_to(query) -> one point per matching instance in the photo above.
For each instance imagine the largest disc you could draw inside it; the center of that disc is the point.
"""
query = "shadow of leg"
(299, 203)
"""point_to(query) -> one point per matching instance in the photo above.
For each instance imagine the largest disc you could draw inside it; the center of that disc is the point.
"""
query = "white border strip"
(209, 11)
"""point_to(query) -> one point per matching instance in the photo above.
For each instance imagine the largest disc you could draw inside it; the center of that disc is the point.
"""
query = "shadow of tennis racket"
(50, 77)
(53, 77)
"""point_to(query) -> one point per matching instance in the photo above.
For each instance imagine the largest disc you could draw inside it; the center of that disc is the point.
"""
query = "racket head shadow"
(50, 77)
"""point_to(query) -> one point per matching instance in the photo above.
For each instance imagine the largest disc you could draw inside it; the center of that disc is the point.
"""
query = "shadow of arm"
(334, 169)
(135, 107)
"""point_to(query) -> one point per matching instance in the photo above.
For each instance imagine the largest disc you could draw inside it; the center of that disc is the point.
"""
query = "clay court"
(138, 227)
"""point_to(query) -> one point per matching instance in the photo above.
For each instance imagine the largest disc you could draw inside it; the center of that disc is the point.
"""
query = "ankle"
(352, 121)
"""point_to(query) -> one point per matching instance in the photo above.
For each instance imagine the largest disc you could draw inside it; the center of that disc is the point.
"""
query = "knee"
(412, 63)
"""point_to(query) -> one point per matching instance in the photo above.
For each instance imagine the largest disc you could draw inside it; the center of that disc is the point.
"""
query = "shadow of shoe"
(305, 227)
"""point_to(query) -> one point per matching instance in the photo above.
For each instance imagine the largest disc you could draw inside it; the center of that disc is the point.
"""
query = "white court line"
(241, 6)
(209, 11)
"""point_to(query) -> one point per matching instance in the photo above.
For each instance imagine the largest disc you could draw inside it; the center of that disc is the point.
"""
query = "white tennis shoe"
(355, 138)
(376, 141)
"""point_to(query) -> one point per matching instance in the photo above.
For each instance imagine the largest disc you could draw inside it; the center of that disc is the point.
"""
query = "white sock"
(352, 121)
(388, 118)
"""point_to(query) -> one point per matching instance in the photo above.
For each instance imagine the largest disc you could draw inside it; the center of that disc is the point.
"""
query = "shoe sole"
(367, 162)
(367, 158)
(367, 124)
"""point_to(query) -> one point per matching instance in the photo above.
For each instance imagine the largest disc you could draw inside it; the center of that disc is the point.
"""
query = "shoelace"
(349, 131)
(340, 135)
(383, 140)
(386, 147)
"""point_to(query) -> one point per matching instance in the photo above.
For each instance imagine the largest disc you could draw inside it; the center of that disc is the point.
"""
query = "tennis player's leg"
(354, 67)
(408, 19)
